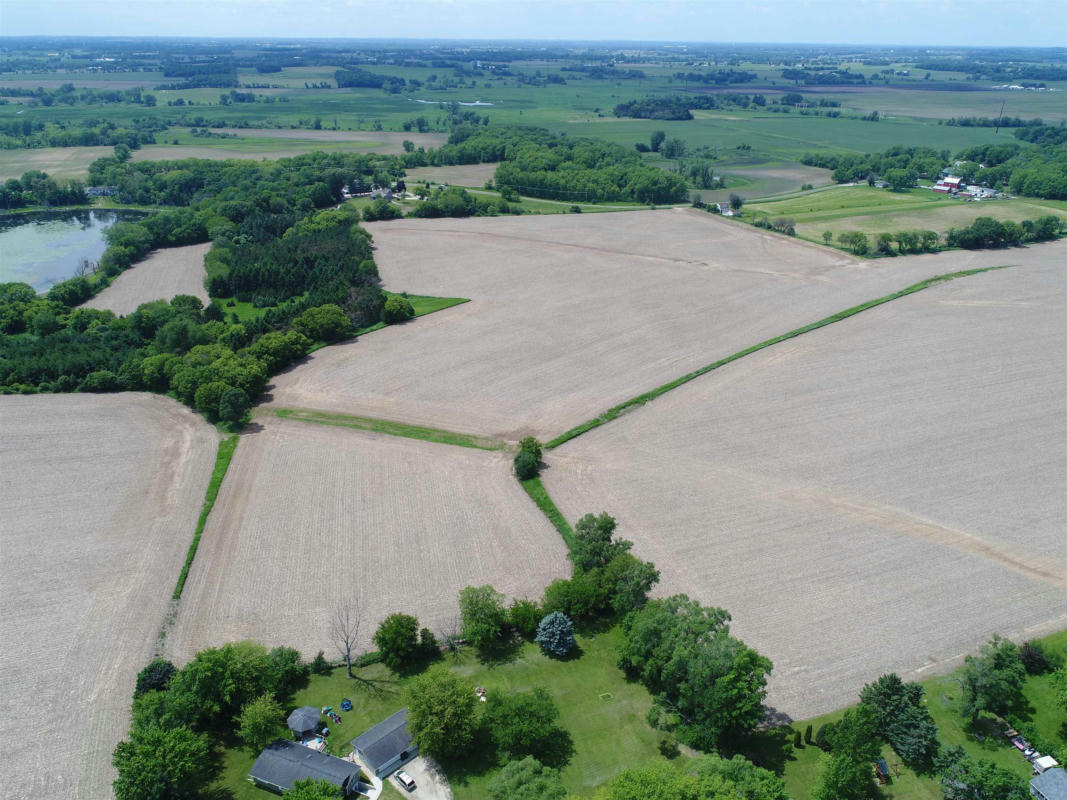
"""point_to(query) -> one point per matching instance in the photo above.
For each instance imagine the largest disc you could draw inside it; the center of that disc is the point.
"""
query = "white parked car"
(405, 780)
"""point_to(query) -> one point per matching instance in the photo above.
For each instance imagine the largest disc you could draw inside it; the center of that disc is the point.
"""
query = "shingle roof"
(386, 740)
(1052, 784)
(303, 719)
(284, 763)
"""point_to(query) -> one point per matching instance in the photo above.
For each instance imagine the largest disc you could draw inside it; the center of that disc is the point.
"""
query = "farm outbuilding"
(304, 721)
(284, 763)
(387, 746)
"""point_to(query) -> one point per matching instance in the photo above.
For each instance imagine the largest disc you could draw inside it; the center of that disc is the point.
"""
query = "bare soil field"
(99, 497)
(310, 514)
(393, 140)
(59, 162)
(163, 274)
(571, 314)
(880, 494)
(473, 175)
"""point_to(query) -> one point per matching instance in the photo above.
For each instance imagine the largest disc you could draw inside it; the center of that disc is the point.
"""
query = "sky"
(1038, 23)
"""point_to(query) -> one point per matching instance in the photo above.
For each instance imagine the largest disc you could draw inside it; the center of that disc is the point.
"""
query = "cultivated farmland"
(572, 314)
(99, 496)
(163, 274)
(310, 515)
(880, 494)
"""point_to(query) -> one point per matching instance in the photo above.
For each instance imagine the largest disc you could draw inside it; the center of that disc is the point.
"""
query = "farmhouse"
(725, 210)
(387, 745)
(284, 763)
(1050, 785)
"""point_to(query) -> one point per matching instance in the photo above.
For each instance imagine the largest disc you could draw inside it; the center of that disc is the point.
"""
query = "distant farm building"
(284, 763)
(387, 746)
(101, 191)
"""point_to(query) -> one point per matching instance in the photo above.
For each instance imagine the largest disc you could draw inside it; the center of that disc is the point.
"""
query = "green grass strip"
(222, 462)
(539, 494)
(391, 428)
(641, 399)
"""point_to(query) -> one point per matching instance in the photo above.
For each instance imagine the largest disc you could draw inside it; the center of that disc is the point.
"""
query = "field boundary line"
(539, 494)
(389, 427)
(642, 399)
(227, 447)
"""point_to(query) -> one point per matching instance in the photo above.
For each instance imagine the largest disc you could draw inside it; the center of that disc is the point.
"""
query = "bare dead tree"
(450, 633)
(344, 630)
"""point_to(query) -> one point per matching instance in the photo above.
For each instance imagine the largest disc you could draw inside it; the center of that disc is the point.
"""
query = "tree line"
(1038, 170)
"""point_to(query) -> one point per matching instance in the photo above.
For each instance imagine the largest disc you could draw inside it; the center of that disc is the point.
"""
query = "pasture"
(61, 163)
(312, 515)
(878, 495)
(571, 314)
(160, 276)
(99, 498)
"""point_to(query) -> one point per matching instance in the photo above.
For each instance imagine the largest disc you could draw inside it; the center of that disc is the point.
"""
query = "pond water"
(43, 248)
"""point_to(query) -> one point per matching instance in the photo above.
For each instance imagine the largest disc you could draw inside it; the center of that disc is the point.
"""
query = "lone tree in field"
(528, 459)
(442, 713)
(397, 641)
(656, 140)
(736, 201)
(555, 634)
(344, 631)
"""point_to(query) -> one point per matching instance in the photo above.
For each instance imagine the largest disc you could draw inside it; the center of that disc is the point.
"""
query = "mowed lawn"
(602, 711)
(942, 695)
(873, 211)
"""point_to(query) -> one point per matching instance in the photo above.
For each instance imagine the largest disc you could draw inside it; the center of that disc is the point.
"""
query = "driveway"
(430, 782)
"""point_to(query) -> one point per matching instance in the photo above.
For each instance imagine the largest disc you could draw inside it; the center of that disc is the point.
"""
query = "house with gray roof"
(284, 763)
(304, 721)
(1050, 785)
(387, 746)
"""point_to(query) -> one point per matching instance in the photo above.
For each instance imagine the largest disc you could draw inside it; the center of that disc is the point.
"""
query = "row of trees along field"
(1035, 165)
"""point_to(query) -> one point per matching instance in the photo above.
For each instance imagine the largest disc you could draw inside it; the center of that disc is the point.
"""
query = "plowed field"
(99, 496)
(571, 314)
(880, 494)
(311, 515)
(165, 273)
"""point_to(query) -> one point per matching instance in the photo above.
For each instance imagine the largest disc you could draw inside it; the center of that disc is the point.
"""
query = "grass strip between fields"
(390, 427)
(641, 399)
(539, 494)
(222, 462)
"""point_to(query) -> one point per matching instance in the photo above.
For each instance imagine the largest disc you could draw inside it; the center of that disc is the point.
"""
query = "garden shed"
(304, 721)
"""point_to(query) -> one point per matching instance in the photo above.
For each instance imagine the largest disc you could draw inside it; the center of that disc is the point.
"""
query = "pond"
(43, 248)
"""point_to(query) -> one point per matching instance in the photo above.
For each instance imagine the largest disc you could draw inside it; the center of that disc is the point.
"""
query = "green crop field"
(873, 211)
